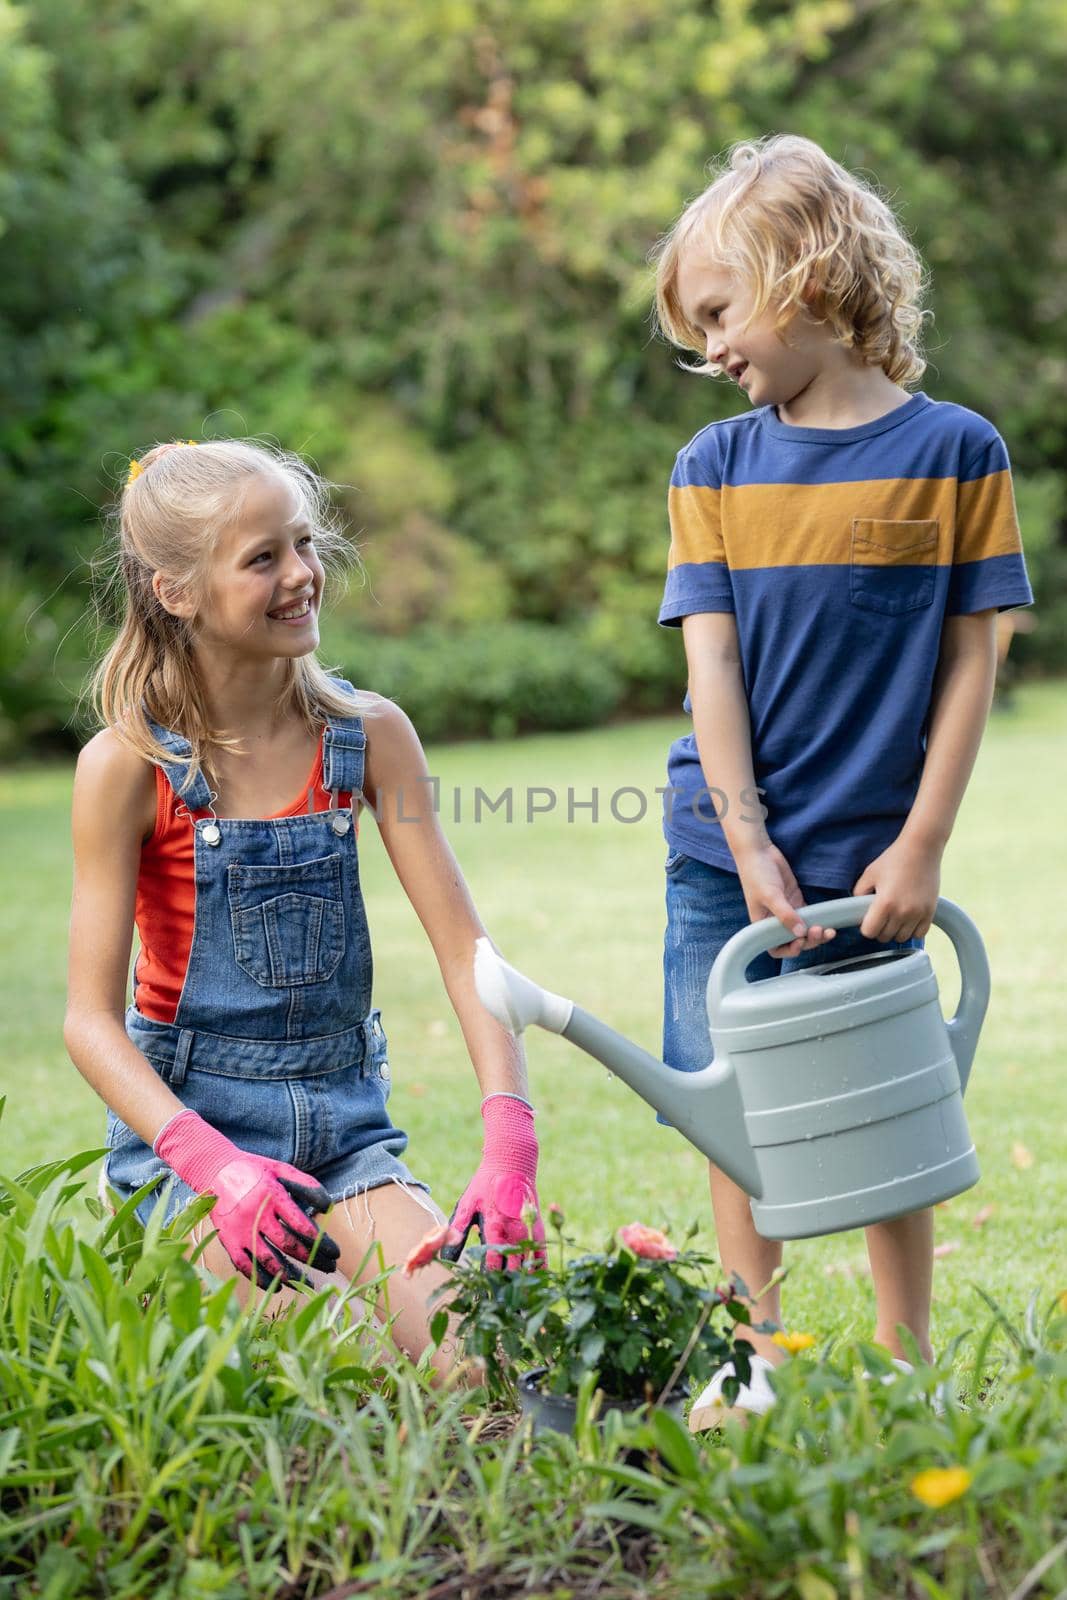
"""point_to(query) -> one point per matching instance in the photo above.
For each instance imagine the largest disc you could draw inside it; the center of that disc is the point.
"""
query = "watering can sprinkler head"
(513, 999)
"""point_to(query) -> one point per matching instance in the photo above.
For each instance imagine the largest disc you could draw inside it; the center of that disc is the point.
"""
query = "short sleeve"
(698, 578)
(988, 567)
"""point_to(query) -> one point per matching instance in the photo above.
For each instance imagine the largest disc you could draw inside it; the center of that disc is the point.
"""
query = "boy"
(838, 559)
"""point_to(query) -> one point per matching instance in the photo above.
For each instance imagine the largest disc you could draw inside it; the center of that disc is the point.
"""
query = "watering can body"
(835, 1094)
(851, 1081)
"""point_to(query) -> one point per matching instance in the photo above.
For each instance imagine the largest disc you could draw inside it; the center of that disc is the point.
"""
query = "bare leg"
(390, 1217)
(218, 1263)
(902, 1258)
(749, 1254)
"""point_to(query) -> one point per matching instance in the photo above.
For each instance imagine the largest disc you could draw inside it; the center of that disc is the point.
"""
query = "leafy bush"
(506, 678)
(44, 650)
(439, 288)
(635, 1322)
(1042, 503)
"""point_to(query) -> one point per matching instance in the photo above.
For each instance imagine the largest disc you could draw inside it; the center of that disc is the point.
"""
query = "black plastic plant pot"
(555, 1413)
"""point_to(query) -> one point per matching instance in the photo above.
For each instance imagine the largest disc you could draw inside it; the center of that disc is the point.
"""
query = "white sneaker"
(941, 1395)
(756, 1397)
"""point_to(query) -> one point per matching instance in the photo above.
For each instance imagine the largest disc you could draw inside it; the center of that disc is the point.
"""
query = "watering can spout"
(704, 1106)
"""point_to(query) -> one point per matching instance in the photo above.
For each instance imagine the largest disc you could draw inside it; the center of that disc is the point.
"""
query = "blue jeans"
(705, 908)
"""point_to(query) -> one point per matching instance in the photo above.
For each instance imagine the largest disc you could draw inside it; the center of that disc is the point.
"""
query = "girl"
(217, 809)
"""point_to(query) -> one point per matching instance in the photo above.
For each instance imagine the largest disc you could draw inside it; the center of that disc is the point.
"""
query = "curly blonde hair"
(785, 218)
(168, 518)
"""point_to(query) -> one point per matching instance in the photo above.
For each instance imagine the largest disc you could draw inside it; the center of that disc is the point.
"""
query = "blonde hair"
(781, 214)
(168, 519)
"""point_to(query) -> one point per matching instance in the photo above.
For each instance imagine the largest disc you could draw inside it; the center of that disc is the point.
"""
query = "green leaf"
(930, 1584)
(676, 1445)
(592, 1348)
(9, 1441)
(583, 1313)
(935, 1543)
(650, 1517)
(994, 1477)
(810, 1586)
(631, 1351)
(351, 1375)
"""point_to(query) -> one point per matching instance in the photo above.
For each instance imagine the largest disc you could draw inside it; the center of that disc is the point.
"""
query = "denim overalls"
(274, 1042)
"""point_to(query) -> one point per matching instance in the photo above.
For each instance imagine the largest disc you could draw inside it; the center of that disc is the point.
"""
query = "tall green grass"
(579, 905)
(155, 1440)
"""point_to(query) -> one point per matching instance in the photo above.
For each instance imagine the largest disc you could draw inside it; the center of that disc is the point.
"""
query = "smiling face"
(264, 584)
(719, 304)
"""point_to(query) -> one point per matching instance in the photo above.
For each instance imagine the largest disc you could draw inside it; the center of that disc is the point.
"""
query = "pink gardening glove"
(504, 1185)
(258, 1221)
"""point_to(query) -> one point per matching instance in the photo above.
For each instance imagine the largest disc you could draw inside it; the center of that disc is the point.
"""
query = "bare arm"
(430, 875)
(722, 728)
(113, 793)
(959, 708)
(906, 877)
(724, 742)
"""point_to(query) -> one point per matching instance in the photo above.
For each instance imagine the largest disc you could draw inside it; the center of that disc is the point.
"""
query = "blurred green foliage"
(503, 679)
(410, 239)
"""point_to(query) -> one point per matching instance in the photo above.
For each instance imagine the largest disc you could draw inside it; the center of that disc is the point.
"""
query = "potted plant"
(637, 1320)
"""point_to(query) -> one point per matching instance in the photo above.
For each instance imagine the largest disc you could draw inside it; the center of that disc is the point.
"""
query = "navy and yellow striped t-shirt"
(840, 551)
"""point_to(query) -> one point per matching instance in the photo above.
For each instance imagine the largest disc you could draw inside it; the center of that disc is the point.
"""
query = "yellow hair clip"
(136, 468)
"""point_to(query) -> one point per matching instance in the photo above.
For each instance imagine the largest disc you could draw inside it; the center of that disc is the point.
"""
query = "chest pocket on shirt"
(893, 564)
(288, 922)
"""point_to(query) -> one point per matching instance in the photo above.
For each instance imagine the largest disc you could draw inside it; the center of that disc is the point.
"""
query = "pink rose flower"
(428, 1247)
(649, 1242)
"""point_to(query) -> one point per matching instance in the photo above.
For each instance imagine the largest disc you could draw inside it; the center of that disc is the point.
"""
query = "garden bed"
(156, 1440)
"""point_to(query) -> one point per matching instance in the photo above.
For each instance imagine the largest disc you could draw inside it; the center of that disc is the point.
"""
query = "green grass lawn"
(579, 906)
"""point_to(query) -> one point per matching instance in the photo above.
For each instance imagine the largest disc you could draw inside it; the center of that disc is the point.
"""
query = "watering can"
(835, 1094)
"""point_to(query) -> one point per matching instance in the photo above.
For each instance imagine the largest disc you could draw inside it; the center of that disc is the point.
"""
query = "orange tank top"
(166, 893)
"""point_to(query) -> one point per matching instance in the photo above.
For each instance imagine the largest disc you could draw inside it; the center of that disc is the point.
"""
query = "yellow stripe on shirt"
(795, 525)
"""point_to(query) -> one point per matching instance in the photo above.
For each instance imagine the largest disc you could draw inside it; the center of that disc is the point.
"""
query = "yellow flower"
(939, 1486)
(793, 1342)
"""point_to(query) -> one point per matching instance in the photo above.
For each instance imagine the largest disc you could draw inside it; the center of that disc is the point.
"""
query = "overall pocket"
(893, 564)
(288, 922)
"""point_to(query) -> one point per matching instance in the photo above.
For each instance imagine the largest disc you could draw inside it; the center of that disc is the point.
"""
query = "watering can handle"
(733, 960)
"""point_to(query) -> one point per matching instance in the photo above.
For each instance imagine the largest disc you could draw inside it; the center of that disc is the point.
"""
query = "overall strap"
(343, 747)
(197, 796)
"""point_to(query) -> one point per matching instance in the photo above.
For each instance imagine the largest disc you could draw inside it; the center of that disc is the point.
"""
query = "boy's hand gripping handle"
(263, 1208)
(728, 973)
